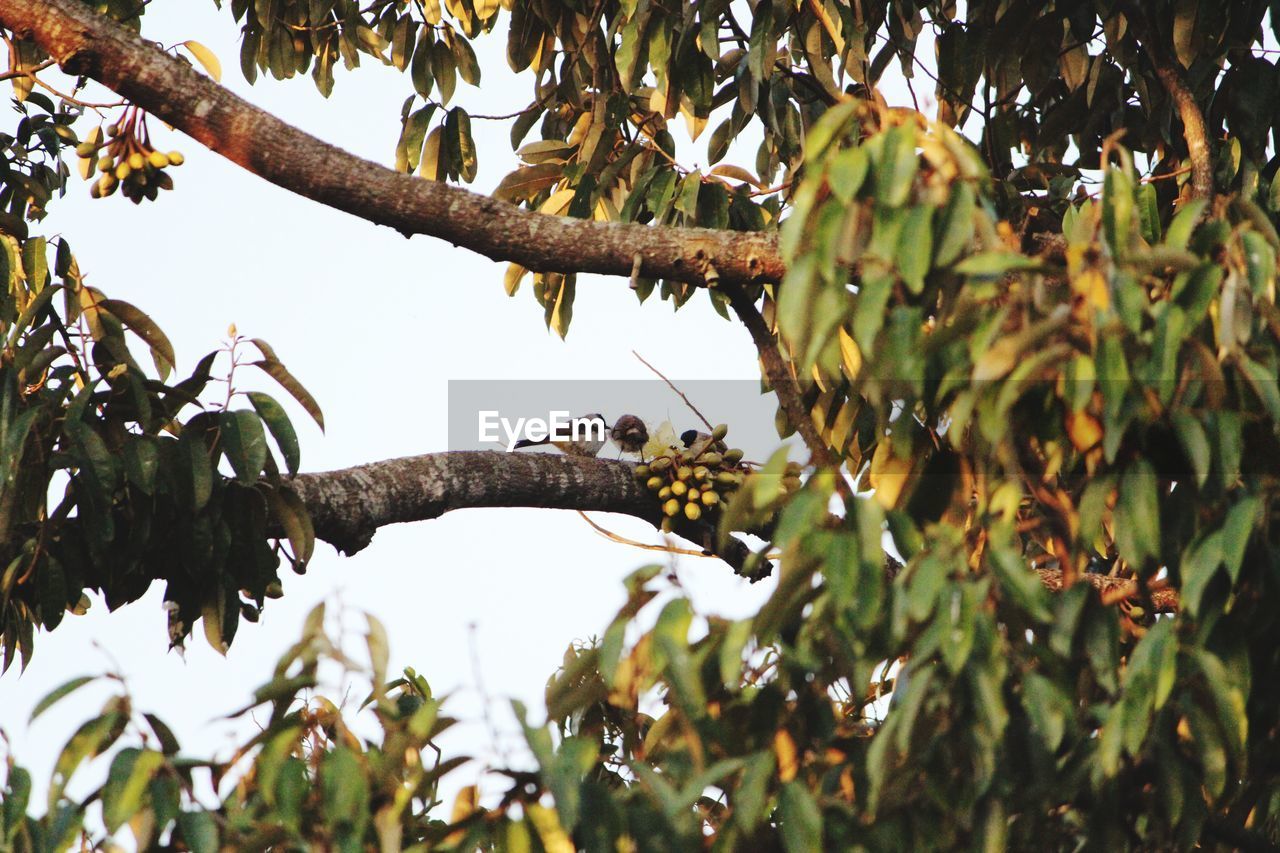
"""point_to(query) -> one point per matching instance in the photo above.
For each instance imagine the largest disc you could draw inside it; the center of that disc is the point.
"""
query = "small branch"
(1175, 84)
(672, 386)
(1112, 590)
(348, 506)
(780, 378)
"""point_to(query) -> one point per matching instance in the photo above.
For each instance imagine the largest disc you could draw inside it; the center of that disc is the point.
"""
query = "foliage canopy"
(1037, 328)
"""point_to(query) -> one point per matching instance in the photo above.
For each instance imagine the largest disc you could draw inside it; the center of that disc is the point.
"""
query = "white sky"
(374, 325)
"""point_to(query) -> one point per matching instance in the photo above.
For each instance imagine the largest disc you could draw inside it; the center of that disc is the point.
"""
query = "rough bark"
(1169, 70)
(86, 43)
(348, 506)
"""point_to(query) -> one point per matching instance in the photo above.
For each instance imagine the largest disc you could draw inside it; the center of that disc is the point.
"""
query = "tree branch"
(1175, 84)
(780, 378)
(348, 506)
(86, 43)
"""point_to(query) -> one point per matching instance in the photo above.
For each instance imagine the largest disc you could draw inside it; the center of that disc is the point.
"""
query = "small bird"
(630, 434)
(586, 437)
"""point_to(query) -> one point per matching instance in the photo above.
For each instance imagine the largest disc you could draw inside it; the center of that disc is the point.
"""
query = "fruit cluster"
(127, 161)
(695, 480)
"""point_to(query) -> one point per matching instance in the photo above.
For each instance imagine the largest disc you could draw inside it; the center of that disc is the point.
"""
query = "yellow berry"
(671, 507)
(136, 160)
(176, 158)
(158, 159)
(692, 511)
(710, 498)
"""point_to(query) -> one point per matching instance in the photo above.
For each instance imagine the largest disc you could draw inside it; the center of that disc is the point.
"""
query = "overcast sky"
(375, 326)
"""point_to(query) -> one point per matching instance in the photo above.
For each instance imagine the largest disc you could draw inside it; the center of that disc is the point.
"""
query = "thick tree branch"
(85, 42)
(348, 506)
(1175, 84)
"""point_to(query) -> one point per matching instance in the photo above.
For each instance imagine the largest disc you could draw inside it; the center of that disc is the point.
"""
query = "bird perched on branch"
(586, 437)
(630, 434)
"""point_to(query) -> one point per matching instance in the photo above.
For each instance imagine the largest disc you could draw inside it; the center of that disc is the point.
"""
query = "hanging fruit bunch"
(695, 479)
(127, 161)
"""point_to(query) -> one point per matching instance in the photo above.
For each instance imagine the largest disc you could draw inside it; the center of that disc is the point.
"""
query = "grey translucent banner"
(489, 414)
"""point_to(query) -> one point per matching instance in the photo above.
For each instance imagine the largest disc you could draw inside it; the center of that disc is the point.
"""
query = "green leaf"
(1264, 384)
(956, 224)
(199, 830)
(994, 263)
(51, 588)
(1195, 444)
(1184, 223)
(1117, 209)
(200, 469)
(245, 443)
(144, 327)
(897, 168)
(1137, 514)
(1237, 528)
(800, 818)
(1200, 562)
(915, 247)
(277, 421)
(1148, 213)
(273, 368)
(1048, 707)
(846, 173)
(131, 772)
(58, 693)
(35, 263)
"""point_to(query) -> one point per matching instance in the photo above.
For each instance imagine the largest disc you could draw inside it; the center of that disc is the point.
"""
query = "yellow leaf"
(1092, 285)
(850, 354)
(1084, 429)
(999, 360)
(694, 122)
(485, 8)
(89, 299)
(580, 128)
(558, 203)
(465, 803)
(888, 475)
(736, 173)
(206, 58)
(784, 747)
(511, 281)
(431, 12)
(552, 834)
(605, 211)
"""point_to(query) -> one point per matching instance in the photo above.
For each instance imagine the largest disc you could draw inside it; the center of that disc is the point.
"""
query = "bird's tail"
(528, 442)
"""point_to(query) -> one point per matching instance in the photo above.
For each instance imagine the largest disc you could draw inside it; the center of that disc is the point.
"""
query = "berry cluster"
(695, 480)
(127, 161)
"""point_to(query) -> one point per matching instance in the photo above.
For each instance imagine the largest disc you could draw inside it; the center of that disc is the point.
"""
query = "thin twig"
(672, 386)
(622, 540)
